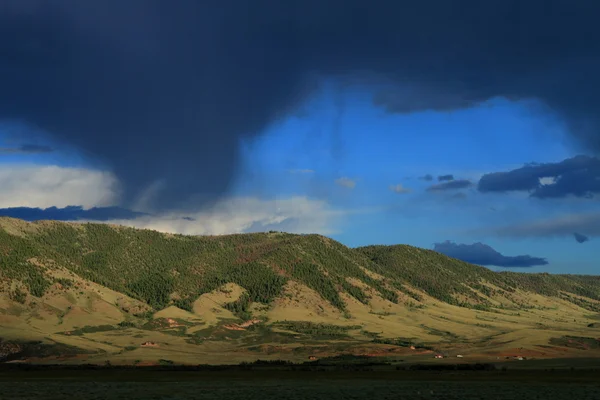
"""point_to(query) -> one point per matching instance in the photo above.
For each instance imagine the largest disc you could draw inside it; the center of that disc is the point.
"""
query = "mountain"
(102, 293)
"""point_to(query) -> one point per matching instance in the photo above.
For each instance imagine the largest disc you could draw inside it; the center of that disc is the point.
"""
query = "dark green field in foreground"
(297, 389)
(275, 384)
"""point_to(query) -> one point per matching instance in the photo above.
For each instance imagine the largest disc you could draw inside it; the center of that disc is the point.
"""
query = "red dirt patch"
(545, 352)
(242, 326)
(146, 364)
(172, 323)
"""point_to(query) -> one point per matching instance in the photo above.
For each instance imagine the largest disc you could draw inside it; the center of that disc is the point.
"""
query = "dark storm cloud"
(482, 254)
(444, 178)
(578, 176)
(450, 185)
(580, 238)
(70, 213)
(26, 149)
(163, 91)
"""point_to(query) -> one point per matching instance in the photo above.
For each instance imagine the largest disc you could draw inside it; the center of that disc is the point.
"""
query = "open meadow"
(273, 384)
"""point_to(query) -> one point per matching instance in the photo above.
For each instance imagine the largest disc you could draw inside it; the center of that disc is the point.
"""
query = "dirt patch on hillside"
(385, 351)
(146, 364)
(242, 326)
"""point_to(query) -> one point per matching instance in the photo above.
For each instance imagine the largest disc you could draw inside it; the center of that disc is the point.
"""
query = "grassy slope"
(59, 281)
(450, 280)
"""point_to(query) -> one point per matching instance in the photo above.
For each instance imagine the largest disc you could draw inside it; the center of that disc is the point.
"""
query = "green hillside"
(105, 289)
(155, 267)
(152, 266)
(443, 277)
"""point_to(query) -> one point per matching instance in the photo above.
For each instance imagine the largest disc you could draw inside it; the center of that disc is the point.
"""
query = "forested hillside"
(163, 269)
(443, 277)
(99, 293)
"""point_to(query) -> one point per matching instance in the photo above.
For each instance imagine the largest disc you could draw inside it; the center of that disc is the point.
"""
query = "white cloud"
(346, 182)
(238, 215)
(46, 186)
(24, 185)
(549, 180)
(399, 189)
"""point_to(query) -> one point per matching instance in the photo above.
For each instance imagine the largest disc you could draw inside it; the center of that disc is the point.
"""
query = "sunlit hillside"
(97, 293)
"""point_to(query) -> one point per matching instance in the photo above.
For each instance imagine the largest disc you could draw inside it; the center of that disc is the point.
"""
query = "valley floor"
(271, 384)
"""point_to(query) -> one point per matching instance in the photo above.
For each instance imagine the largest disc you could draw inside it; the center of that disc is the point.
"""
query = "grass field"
(295, 327)
(299, 385)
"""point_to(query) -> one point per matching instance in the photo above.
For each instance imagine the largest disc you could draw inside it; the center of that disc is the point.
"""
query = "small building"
(459, 356)
(412, 347)
(439, 356)
(312, 358)
(149, 344)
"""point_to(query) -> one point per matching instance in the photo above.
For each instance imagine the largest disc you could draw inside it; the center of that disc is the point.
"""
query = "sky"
(432, 128)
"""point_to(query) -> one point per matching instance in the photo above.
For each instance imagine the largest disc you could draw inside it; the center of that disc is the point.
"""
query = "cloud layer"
(450, 185)
(48, 186)
(163, 91)
(587, 224)
(33, 192)
(239, 215)
(482, 254)
(578, 176)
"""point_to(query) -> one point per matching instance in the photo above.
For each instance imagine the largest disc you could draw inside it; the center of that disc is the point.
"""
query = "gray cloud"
(580, 238)
(578, 176)
(561, 226)
(26, 149)
(450, 185)
(443, 178)
(164, 91)
(482, 254)
(399, 189)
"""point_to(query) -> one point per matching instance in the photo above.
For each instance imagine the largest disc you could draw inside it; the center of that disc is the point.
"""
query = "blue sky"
(342, 134)
(379, 149)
